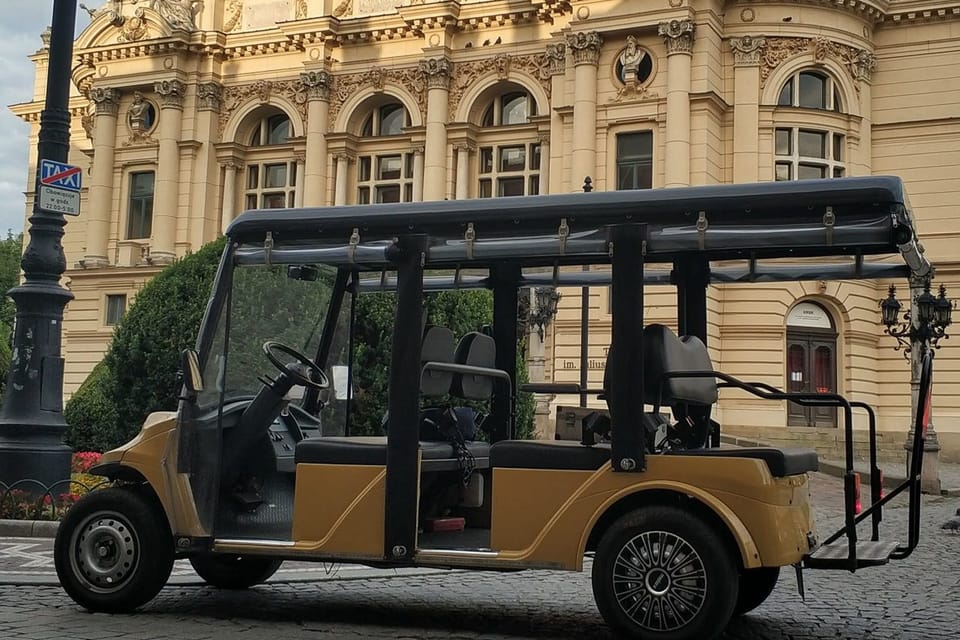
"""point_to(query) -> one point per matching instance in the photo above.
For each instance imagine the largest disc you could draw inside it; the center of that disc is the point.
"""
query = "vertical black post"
(403, 472)
(691, 276)
(584, 342)
(625, 360)
(505, 280)
(31, 421)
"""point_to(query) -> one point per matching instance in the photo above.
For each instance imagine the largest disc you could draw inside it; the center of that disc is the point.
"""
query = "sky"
(20, 37)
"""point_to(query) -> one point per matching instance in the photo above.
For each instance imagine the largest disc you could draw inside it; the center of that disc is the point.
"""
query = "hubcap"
(105, 551)
(659, 581)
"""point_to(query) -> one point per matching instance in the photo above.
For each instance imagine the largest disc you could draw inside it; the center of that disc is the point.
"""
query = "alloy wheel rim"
(104, 552)
(659, 581)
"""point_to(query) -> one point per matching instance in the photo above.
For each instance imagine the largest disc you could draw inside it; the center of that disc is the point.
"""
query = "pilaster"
(436, 73)
(106, 107)
(585, 49)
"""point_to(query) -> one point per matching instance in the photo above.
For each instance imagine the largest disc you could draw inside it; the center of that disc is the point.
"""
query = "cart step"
(836, 555)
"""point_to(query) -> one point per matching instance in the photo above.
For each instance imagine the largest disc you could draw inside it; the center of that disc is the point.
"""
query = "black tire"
(113, 550)
(230, 571)
(688, 594)
(756, 585)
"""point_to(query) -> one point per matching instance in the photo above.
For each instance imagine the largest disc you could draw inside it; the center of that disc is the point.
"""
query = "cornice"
(913, 12)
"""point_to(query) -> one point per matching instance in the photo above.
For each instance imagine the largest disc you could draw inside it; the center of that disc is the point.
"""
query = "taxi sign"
(60, 187)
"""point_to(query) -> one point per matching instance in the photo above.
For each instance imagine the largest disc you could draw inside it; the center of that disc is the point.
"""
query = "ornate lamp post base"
(930, 474)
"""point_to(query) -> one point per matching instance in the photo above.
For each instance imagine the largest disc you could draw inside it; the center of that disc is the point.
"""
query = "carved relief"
(747, 50)
(502, 65)
(171, 93)
(677, 35)
(134, 27)
(585, 46)
(301, 10)
(345, 8)
(209, 96)
(106, 101)
(181, 14)
(232, 14)
(411, 78)
(318, 84)
(556, 56)
(437, 72)
(236, 96)
(860, 64)
(468, 73)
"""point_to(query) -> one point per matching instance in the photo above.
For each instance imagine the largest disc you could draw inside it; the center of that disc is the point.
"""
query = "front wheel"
(230, 571)
(662, 573)
(756, 585)
(114, 551)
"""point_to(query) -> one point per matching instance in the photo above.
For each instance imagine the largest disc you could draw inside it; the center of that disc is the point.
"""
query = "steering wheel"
(307, 374)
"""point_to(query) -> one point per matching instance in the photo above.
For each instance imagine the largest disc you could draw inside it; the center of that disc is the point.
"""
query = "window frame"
(834, 100)
(617, 157)
(107, 299)
(129, 227)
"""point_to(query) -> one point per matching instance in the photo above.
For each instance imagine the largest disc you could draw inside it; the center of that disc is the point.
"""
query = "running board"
(836, 555)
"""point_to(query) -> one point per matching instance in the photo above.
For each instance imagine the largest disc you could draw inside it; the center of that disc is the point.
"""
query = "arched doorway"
(811, 363)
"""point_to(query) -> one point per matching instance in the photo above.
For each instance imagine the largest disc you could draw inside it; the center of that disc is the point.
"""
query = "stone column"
(585, 47)
(228, 205)
(678, 36)
(463, 171)
(166, 186)
(107, 102)
(436, 72)
(556, 55)
(746, 113)
(418, 174)
(544, 186)
(340, 195)
(318, 83)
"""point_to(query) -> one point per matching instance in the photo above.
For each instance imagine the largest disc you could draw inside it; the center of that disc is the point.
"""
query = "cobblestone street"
(916, 598)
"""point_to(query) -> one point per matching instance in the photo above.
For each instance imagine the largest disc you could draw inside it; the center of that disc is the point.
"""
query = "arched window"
(811, 362)
(509, 162)
(271, 174)
(807, 152)
(384, 167)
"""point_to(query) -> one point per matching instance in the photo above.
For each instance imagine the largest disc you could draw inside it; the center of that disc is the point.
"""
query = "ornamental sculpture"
(747, 50)
(677, 35)
(585, 46)
(437, 72)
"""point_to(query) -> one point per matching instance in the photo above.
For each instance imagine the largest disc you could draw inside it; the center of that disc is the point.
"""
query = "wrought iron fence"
(29, 499)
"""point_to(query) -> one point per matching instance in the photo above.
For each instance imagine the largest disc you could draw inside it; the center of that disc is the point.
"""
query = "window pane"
(486, 190)
(534, 186)
(256, 140)
(389, 167)
(487, 120)
(273, 201)
(408, 192)
(797, 372)
(786, 94)
(822, 368)
(408, 166)
(811, 171)
(783, 171)
(813, 91)
(253, 176)
(486, 160)
(510, 187)
(837, 102)
(812, 144)
(276, 175)
(391, 120)
(838, 172)
(837, 147)
(534, 156)
(363, 172)
(116, 305)
(635, 160)
(363, 195)
(388, 193)
(291, 199)
(140, 205)
(251, 201)
(293, 174)
(366, 130)
(278, 128)
(514, 109)
(635, 146)
(783, 140)
(513, 158)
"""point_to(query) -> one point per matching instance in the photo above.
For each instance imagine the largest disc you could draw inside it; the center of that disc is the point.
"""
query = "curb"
(29, 528)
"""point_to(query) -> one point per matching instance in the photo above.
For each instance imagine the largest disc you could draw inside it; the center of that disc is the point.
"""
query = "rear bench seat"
(570, 455)
(372, 450)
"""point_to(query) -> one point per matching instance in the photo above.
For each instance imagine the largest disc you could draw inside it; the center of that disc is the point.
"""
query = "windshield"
(265, 304)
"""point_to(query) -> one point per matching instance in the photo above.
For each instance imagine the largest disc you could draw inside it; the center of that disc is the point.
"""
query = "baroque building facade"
(186, 113)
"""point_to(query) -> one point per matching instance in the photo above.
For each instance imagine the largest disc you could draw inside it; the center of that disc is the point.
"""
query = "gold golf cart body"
(685, 533)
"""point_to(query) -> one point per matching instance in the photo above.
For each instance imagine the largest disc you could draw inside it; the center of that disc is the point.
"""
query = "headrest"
(477, 350)
(437, 346)
(664, 352)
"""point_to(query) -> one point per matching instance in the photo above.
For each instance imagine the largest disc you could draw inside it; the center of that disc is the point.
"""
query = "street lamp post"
(922, 328)
(31, 420)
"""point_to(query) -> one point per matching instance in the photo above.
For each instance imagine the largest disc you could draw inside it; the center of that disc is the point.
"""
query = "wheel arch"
(735, 534)
(119, 472)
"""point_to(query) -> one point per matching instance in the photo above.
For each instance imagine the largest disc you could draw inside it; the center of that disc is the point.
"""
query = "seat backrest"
(438, 346)
(477, 350)
(664, 352)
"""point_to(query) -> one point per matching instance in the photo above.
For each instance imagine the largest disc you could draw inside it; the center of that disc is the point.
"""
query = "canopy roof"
(845, 216)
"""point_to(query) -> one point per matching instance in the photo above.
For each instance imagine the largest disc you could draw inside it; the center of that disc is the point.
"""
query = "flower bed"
(29, 500)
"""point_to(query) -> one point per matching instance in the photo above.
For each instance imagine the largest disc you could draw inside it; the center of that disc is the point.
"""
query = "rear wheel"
(230, 571)
(113, 550)
(662, 573)
(756, 585)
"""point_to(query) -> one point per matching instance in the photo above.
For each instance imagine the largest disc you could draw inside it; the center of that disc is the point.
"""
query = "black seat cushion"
(548, 454)
(477, 350)
(437, 346)
(664, 352)
(781, 462)
(372, 450)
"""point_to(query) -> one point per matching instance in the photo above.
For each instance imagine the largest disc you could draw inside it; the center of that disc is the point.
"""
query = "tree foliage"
(138, 373)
